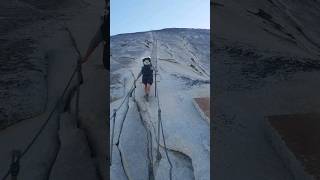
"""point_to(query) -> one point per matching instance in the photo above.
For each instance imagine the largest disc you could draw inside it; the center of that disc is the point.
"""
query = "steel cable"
(46, 121)
(129, 94)
(160, 126)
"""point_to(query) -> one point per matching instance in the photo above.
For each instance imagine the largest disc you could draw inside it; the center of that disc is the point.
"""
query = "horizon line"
(158, 30)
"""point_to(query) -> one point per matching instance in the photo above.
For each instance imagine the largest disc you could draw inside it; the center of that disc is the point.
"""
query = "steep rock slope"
(189, 47)
(266, 61)
(182, 59)
(37, 60)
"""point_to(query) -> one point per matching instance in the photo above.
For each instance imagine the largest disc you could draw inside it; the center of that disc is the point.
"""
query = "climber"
(147, 75)
(101, 35)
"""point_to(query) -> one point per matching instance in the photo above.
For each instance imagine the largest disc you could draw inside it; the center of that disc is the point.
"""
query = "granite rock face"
(23, 82)
(183, 73)
(24, 60)
(189, 47)
(37, 59)
(23, 69)
(73, 148)
(265, 56)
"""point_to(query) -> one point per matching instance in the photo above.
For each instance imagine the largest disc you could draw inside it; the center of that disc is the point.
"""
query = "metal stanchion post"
(15, 164)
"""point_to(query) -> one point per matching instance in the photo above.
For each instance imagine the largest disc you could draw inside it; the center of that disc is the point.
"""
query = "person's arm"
(95, 41)
(139, 75)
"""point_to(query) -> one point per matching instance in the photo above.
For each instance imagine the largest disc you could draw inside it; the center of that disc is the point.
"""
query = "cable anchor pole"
(15, 164)
(158, 149)
(111, 146)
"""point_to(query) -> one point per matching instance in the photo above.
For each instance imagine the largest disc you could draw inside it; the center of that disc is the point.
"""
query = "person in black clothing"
(101, 36)
(147, 75)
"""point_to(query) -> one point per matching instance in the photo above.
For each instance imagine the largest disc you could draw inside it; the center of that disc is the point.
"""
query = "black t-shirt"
(147, 71)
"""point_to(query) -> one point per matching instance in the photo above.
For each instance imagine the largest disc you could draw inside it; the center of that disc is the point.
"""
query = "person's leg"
(148, 88)
(145, 88)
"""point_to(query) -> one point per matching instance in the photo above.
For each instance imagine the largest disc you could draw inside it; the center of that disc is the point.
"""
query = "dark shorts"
(147, 80)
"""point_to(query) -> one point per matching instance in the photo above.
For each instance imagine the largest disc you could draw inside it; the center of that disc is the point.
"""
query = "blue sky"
(129, 16)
